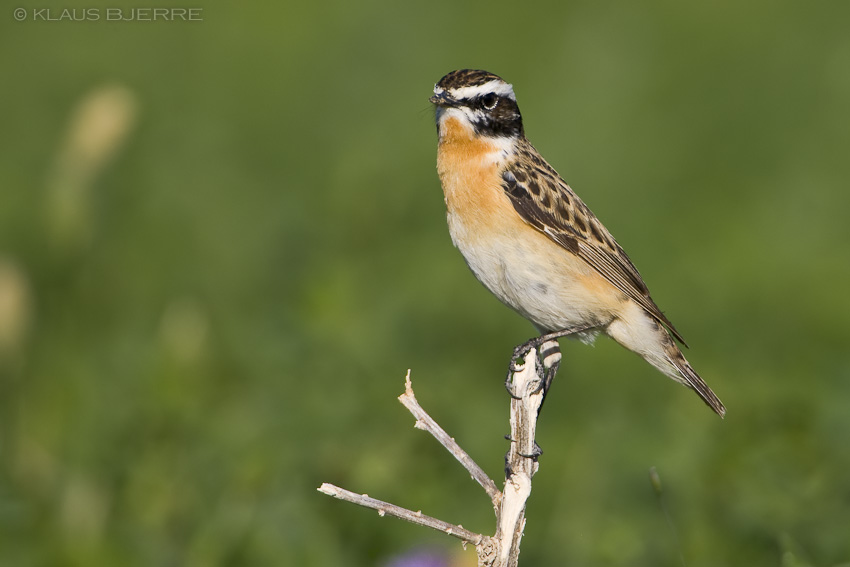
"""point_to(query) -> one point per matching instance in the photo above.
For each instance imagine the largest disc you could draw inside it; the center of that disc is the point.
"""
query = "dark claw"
(535, 453)
(509, 387)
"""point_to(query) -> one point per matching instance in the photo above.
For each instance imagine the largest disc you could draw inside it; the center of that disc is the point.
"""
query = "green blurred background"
(222, 244)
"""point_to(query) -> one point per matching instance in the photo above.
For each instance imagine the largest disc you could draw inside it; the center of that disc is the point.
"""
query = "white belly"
(533, 275)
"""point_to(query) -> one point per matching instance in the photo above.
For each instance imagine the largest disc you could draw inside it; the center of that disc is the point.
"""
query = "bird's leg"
(550, 355)
(550, 360)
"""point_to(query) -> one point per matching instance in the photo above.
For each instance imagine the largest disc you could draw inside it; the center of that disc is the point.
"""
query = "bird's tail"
(646, 337)
(681, 371)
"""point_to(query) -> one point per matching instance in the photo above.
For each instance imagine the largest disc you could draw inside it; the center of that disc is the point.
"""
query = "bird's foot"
(536, 451)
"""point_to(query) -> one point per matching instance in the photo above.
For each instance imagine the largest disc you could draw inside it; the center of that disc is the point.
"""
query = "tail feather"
(693, 381)
(643, 335)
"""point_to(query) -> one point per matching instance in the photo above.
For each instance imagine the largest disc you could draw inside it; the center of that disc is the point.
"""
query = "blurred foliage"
(222, 244)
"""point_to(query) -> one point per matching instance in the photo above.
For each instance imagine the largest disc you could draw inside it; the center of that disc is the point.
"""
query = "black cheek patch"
(503, 121)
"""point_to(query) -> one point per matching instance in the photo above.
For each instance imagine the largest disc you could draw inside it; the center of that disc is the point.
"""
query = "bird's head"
(480, 100)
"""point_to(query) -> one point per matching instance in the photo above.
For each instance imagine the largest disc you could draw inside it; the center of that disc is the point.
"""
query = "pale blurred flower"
(15, 308)
(98, 127)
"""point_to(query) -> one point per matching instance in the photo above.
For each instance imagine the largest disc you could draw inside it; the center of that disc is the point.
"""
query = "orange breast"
(501, 248)
(470, 172)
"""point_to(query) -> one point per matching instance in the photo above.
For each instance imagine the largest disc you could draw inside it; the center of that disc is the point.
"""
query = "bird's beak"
(443, 99)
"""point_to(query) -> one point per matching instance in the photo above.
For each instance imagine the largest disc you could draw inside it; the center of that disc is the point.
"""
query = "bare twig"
(501, 550)
(414, 517)
(427, 423)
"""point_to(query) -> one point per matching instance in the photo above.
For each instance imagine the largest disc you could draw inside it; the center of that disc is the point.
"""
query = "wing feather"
(548, 204)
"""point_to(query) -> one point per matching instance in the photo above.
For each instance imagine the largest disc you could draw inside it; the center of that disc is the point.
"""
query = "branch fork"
(502, 548)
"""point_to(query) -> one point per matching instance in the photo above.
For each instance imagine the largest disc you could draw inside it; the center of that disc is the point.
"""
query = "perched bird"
(532, 242)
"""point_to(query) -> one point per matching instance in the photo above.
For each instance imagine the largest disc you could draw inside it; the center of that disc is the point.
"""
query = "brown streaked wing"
(587, 237)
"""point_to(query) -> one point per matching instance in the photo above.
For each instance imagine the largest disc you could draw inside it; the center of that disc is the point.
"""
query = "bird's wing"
(548, 204)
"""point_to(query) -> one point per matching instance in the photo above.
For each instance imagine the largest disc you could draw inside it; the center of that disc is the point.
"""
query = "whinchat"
(532, 242)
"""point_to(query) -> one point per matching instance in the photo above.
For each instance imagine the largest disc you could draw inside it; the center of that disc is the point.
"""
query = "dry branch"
(427, 423)
(502, 549)
(417, 517)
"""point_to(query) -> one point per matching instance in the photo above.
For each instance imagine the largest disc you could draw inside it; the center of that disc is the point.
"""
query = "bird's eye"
(489, 101)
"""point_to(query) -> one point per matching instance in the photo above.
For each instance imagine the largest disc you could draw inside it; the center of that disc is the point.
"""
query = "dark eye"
(489, 101)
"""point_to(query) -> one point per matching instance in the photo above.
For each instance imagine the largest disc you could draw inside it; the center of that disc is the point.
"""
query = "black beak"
(443, 99)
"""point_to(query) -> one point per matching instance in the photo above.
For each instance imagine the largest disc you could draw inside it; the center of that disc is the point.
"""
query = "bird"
(533, 243)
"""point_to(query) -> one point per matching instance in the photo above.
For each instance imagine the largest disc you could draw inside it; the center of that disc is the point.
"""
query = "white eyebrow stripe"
(495, 86)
